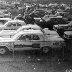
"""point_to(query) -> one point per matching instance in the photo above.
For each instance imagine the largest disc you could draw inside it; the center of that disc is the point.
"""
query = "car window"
(22, 37)
(26, 37)
(18, 24)
(11, 24)
(14, 24)
(35, 37)
(29, 37)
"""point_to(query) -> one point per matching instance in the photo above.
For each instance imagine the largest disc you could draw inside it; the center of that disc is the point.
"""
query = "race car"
(12, 25)
(31, 40)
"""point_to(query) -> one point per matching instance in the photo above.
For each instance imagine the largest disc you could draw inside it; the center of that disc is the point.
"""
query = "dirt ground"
(33, 62)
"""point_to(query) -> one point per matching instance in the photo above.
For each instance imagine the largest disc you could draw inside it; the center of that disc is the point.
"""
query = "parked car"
(38, 13)
(68, 35)
(10, 33)
(60, 28)
(12, 25)
(48, 22)
(31, 40)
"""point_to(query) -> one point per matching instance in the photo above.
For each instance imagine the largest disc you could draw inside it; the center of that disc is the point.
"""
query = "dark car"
(60, 28)
(51, 21)
(38, 13)
(68, 35)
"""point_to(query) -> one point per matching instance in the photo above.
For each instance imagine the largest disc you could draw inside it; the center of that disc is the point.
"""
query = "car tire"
(45, 49)
(3, 50)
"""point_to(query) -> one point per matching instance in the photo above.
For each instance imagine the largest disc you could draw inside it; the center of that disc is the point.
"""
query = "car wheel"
(45, 49)
(3, 51)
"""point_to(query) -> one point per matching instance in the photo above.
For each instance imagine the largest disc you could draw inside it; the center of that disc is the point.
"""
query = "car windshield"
(2, 22)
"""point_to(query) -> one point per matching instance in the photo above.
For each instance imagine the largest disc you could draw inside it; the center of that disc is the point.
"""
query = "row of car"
(59, 23)
(16, 35)
(49, 21)
(64, 30)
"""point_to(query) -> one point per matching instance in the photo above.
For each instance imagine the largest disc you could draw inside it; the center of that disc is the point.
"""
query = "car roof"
(25, 32)
(29, 27)
(5, 19)
(16, 21)
(32, 26)
(68, 32)
(31, 31)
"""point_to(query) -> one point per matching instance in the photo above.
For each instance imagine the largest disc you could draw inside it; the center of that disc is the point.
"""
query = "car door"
(23, 43)
(37, 41)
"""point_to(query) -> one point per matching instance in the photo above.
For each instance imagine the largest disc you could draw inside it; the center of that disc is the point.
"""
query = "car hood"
(7, 32)
(6, 40)
(55, 38)
(68, 32)
(50, 32)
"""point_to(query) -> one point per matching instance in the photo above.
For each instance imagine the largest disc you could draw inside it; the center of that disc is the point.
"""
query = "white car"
(10, 33)
(12, 25)
(31, 40)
